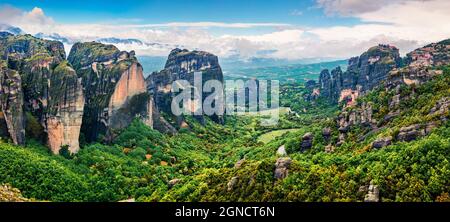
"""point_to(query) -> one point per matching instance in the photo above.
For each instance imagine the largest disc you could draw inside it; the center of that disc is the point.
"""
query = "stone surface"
(307, 141)
(232, 183)
(281, 151)
(282, 167)
(364, 73)
(326, 133)
(66, 106)
(41, 83)
(382, 142)
(410, 133)
(239, 163)
(373, 193)
(114, 88)
(181, 65)
(173, 182)
(329, 148)
(11, 194)
(11, 103)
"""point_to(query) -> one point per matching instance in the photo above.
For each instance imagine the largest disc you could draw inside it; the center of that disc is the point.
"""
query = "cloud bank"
(407, 24)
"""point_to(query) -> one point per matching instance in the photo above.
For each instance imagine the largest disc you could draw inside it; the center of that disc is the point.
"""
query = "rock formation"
(11, 103)
(382, 142)
(373, 193)
(282, 167)
(307, 141)
(181, 65)
(114, 88)
(66, 106)
(281, 151)
(36, 78)
(363, 74)
(418, 64)
(232, 183)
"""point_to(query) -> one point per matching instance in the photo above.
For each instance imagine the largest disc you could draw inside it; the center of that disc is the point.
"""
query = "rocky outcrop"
(326, 133)
(409, 133)
(419, 63)
(373, 193)
(174, 182)
(232, 183)
(113, 86)
(329, 148)
(181, 65)
(239, 163)
(282, 167)
(281, 151)
(65, 112)
(37, 79)
(11, 104)
(363, 74)
(382, 142)
(358, 115)
(11, 194)
(307, 142)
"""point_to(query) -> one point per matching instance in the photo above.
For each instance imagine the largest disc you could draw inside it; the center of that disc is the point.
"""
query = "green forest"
(229, 162)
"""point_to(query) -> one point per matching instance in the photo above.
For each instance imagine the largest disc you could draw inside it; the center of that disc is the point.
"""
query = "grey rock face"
(307, 141)
(373, 193)
(281, 151)
(410, 133)
(282, 167)
(363, 73)
(181, 65)
(111, 79)
(382, 142)
(11, 103)
(326, 133)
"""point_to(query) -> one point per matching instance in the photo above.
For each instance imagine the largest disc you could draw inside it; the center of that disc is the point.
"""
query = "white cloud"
(355, 7)
(406, 24)
(209, 25)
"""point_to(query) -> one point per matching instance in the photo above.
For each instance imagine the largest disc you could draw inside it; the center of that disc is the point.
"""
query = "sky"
(283, 29)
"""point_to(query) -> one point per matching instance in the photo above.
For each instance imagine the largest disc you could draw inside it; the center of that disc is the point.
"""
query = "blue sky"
(295, 12)
(288, 29)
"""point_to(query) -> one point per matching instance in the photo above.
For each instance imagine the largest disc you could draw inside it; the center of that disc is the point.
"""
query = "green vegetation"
(142, 163)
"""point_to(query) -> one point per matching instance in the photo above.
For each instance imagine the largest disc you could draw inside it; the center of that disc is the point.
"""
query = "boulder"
(326, 133)
(282, 167)
(307, 141)
(173, 182)
(410, 133)
(329, 148)
(232, 183)
(239, 163)
(373, 193)
(382, 142)
(281, 151)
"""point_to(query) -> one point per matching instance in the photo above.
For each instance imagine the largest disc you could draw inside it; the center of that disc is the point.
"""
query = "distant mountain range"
(11, 29)
(233, 66)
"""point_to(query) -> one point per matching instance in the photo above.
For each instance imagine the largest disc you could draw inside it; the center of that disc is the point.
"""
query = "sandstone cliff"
(36, 79)
(110, 79)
